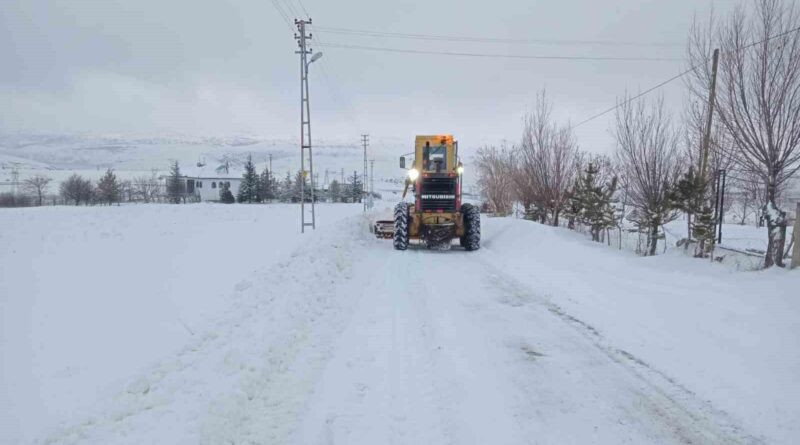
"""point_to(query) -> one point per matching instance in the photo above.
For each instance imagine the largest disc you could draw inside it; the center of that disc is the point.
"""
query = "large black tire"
(472, 227)
(401, 226)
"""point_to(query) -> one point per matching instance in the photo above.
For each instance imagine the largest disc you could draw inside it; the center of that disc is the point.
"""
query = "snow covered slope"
(541, 336)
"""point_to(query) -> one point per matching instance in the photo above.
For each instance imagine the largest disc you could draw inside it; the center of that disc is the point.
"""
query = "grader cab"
(436, 216)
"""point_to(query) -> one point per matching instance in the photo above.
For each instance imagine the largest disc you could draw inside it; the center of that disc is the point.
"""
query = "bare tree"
(649, 163)
(37, 185)
(76, 189)
(494, 170)
(548, 162)
(747, 198)
(759, 103)
(147, 188)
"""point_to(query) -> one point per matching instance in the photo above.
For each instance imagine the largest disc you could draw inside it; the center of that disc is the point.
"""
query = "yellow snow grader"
(437, 215)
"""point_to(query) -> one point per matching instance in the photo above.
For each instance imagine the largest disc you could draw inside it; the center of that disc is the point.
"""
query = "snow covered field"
(91, 295)
(196, 324)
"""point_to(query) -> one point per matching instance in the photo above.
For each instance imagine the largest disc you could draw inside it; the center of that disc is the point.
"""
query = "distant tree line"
(255, 187)
(78, 190)
(266, 187)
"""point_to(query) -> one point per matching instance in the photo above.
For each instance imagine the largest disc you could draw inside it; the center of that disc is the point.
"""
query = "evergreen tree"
(249, 188)
(175, 185)
(703, 231)
(268, 185)
(356, 188)
(108, 188)
(286, 188)
(299, 193)
(689, 196)
(335, 191)
(225, 194)
(591, 203)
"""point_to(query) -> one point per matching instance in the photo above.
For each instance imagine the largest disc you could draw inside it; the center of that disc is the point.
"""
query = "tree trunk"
(776, 230)
(555, 218)
(653, 241)
(781, 244)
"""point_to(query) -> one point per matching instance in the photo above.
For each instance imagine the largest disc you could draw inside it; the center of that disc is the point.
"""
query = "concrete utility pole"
(364, 142)
(712, 94)
(371, 181)
(305, 122)
(796, 236)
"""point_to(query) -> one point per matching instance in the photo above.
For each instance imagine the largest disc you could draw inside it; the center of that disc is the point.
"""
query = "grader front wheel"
(401, 226)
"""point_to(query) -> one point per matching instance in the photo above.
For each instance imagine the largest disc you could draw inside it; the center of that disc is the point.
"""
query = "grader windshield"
(434, 158)
(435, 153)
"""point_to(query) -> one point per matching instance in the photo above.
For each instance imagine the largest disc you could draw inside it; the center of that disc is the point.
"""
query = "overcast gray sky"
(228, 67)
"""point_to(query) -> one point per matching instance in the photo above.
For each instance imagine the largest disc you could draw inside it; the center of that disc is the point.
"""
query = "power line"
(634, 97)
(282, 13)
(328, 76)
(499, 56)
(290, 7)
(330, 79)
(303, 7)
(360, 32)
(691, 68)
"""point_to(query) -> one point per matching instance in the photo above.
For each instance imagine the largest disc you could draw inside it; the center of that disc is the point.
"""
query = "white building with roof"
(204, 181)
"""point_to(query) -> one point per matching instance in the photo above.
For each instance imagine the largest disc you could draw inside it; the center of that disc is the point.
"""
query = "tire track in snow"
(380, 385)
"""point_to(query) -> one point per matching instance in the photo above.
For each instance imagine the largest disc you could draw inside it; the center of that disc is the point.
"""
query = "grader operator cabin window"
(435, 157)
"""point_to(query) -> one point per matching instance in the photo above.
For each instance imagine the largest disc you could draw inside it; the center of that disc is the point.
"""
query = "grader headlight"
(413, 174)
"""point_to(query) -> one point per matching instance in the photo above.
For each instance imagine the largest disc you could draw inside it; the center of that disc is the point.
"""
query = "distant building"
(203, 182)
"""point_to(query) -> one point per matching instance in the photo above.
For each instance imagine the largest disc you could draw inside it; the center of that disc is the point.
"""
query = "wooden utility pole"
(796, 236)
(712, 94)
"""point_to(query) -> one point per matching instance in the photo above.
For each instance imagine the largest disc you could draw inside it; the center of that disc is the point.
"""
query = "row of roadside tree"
(660, 169)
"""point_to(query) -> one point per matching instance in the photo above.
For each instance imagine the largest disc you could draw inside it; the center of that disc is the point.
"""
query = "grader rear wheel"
(472, 227)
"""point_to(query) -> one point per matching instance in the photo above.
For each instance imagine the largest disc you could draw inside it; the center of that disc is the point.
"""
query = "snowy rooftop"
(212, 171)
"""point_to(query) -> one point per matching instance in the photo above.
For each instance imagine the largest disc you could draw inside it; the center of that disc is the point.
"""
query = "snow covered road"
(420, 347)
(446, 348)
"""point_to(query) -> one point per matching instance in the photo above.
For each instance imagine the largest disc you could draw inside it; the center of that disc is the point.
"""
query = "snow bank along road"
(432, 347)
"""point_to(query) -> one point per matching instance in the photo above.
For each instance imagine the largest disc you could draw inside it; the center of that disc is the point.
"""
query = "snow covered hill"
(58, 156)
(221, 324)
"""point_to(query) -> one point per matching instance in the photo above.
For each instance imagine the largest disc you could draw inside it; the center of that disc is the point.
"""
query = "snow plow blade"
(383, 229)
